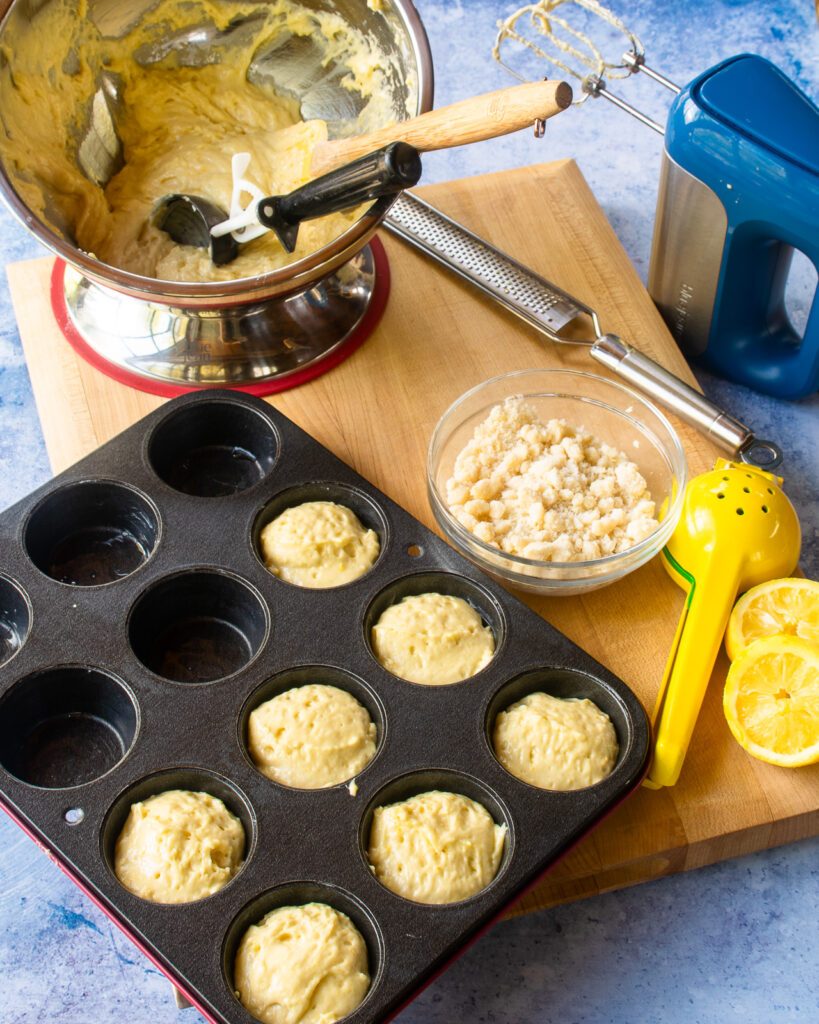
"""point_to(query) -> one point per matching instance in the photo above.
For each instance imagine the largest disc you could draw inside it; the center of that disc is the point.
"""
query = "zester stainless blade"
(514, 286)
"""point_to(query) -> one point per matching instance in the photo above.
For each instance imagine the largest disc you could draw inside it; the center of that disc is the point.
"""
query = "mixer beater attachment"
(550, 37)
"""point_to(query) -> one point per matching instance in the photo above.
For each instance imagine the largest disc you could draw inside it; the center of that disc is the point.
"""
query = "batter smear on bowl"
(183, 108)
(551, 492)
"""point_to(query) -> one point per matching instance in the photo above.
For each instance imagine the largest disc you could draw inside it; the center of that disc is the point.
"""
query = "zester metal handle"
(728, 433)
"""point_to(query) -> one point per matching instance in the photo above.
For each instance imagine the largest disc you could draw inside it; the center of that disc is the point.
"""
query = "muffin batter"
(318, 544)
(435, 847)
(178, 846)
(186, 107)
(302, 965)
(311, 737)
(433, 639)
(556, 744)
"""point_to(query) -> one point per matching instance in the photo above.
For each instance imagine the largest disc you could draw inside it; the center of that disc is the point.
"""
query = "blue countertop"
(736, 942)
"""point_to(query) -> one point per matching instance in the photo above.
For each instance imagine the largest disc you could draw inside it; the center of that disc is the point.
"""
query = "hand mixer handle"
(753, 340)
(708, 607)
(740, 193)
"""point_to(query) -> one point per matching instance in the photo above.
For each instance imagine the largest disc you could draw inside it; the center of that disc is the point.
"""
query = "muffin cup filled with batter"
(434, 629)
(320, 536)
(557, 729)
(303, 953)
(436, 837)
(178, 836)
(312, 727)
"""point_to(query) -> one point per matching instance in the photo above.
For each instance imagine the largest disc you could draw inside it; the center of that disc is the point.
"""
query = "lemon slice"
(771, 700)
(789, 606)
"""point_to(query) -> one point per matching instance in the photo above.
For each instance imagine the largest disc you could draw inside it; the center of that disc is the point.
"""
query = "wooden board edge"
(552, 892)
(65, 383)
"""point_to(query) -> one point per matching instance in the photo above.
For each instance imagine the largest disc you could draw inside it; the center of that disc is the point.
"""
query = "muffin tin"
(139, 628)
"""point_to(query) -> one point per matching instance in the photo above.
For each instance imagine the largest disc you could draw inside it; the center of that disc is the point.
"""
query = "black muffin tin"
(139, 627)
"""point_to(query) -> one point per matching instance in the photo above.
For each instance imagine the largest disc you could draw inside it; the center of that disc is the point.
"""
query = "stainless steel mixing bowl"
(253, 329)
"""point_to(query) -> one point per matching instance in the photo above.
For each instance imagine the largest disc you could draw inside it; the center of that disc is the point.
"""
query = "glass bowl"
(609, 411)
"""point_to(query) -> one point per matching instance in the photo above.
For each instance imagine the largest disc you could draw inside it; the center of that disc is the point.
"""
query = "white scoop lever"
(243, 221)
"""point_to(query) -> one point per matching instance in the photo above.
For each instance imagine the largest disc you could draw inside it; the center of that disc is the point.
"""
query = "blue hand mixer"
(739, 193)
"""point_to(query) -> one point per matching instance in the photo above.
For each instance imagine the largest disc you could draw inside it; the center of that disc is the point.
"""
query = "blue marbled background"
(736, 942)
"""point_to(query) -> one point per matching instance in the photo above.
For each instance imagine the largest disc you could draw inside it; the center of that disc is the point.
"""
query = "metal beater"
(534, 26)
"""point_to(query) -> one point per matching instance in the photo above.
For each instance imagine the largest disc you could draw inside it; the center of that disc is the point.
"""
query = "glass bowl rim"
(465, 538)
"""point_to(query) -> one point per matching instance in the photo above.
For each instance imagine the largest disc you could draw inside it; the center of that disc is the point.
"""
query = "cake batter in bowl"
(108, 108)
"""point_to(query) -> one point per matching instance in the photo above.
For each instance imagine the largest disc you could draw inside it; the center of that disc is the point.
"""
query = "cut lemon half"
(771, 700)
(789, 607)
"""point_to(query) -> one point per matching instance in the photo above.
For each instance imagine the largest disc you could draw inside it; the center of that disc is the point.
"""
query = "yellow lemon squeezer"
(737, 529)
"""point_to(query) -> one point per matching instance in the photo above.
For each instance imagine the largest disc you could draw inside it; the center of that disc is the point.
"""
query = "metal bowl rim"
(310, 268)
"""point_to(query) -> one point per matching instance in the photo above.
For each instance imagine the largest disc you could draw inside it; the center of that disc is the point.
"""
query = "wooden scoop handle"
(472, 120)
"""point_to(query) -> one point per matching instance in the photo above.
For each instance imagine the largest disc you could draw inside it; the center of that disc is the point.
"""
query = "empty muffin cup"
(15, 619)
(91, 533)
(213, 449)
(66, 726)
(198, 626)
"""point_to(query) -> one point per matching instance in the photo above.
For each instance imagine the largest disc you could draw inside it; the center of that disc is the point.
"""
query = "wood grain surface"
(377, 410)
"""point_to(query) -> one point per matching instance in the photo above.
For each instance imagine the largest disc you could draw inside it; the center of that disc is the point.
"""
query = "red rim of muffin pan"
(138, 629)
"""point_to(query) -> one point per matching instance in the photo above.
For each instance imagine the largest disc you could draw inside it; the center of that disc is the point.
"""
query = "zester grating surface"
(515, 286)
(101, 703)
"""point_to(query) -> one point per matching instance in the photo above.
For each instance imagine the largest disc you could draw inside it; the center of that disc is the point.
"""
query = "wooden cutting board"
(377, 410)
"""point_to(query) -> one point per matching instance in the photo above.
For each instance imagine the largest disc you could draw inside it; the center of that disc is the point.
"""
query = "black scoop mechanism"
(188, 220)
(385, 172)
